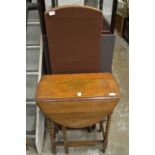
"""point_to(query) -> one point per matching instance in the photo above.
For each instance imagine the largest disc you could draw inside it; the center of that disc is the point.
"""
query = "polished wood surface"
(60, 87)
(58, 97)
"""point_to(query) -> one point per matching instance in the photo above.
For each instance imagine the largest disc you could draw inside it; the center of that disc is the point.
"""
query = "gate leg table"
(77, 101)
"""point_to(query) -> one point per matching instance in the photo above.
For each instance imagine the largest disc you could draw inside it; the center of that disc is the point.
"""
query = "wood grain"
(66, 86)
(57, 98)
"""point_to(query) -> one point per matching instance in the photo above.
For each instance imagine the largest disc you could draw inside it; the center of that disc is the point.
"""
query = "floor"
(119, 131)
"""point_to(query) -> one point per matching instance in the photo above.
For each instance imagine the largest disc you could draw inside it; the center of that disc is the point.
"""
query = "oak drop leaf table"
(77, 101)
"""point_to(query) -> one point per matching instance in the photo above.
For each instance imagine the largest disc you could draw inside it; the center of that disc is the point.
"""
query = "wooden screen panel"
(74, 37)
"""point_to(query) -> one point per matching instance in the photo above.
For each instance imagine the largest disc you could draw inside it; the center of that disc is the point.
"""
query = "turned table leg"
(65, 139)
(105, 136)
(50, 128)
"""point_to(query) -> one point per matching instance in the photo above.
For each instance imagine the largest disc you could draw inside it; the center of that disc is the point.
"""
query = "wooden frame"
(67, 144)
(46, 61)
(121, 17)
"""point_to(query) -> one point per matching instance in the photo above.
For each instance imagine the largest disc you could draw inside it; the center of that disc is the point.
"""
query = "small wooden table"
(77, 101)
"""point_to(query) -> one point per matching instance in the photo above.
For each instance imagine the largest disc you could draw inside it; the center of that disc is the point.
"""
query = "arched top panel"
(74, 35)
